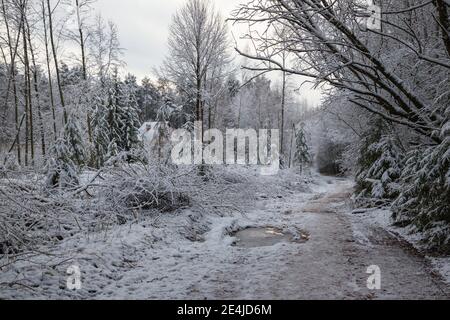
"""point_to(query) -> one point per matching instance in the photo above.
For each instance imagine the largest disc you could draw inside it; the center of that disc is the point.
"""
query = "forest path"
(332, 264)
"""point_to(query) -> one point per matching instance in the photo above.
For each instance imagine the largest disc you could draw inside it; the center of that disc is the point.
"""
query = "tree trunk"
(55, 59)
(37, 95)
(26, 89)
(29, 123)
(83, 62)
(444, 22)
(49, 74)
(13, 54)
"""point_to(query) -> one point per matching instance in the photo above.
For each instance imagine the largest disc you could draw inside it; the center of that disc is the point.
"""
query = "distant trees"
(61, 65)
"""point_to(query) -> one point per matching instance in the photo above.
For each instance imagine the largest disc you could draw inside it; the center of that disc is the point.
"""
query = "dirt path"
(332, 264)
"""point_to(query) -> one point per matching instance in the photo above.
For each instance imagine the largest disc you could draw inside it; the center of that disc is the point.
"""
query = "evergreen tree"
(67, 156)
(115, 120)
(62, 172)
(424, 199)
(128, 115)
(73, 135)
(302, 156)
(100, 129)
(148, 99)
(380, 164)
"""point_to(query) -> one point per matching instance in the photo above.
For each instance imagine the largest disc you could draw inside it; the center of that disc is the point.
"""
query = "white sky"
(143, 28)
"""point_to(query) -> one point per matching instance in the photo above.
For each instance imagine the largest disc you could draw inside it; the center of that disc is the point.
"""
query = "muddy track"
(333, 263)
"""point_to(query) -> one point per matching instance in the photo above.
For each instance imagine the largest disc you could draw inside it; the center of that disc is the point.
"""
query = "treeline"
(68, 104)
(49, 105)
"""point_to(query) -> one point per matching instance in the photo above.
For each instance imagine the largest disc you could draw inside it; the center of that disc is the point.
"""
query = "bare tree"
(104, 47)
(197, 50)
(81, 8)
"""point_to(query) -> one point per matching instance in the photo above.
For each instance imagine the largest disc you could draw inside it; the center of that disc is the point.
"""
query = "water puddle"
(265, 237)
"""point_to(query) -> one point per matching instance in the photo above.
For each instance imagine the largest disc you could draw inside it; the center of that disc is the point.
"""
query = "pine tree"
(62, 172)
(115, 120)
(380, 164)
(302, 156)
(73, 135)
(128, 114)
(67, 156)
(100, 128)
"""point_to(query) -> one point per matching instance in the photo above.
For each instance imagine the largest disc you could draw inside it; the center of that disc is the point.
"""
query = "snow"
(442, 265)
(189, 254)
(382, 218)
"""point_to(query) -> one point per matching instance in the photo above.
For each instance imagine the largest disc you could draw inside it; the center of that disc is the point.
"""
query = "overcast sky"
(143, 28)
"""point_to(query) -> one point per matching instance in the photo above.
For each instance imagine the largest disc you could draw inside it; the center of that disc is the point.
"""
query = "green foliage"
(425, 200)
(380, 164)
(380, 167)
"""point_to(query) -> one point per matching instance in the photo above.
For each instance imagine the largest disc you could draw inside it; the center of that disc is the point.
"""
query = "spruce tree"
(302, 156)
(67, 156)
(380, 164)
(100, 130)
(128, 114)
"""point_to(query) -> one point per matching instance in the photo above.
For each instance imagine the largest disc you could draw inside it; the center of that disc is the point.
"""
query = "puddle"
(265, 237)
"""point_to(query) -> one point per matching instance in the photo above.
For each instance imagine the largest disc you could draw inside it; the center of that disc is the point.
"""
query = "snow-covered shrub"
(425, 198)
(29, 217)
(380, 167)
(139, 187)
(10, 163)
(61, 170)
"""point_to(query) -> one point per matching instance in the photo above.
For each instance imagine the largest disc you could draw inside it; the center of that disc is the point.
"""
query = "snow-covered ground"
(382, 218)
(194, 253)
